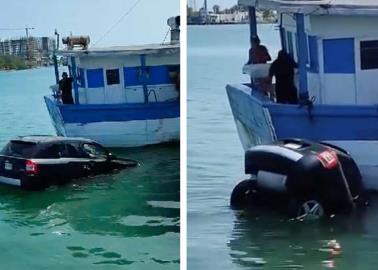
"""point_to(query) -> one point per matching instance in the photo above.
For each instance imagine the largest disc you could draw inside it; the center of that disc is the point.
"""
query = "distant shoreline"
(13, 62)
(232, 23)
(17, 69)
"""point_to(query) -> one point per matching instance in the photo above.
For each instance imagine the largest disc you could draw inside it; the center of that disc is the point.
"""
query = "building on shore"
(233, 15)
(225, 18)
(36, 50)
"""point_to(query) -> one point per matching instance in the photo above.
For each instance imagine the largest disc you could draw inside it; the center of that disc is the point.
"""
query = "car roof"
(50, 139)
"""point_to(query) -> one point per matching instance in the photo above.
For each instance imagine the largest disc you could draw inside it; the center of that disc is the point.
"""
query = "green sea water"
(128, 220)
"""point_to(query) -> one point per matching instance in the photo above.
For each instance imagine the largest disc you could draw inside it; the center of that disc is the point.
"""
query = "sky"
(146, 22)
(210, 3)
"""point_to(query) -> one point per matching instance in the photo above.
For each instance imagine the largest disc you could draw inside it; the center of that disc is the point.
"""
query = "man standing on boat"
(65, 87)
(258, 54)
(283, 69)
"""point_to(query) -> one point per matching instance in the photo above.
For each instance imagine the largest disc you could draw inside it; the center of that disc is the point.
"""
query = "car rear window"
(49, 151)
(19, 149)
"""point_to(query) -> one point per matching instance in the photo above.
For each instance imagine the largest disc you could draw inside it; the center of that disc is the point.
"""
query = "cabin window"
(369, 54)
(313, 54)
(69, 71)
(283, 38)
(174, 74)
(159, 75)
(290, 43)
(297, 47)
(95, 78)
(131, 76)
(80, 77)
(338, 56)
(112, 76)
(308, 60)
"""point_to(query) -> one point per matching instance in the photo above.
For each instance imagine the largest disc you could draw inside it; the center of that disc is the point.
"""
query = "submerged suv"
(36, 162)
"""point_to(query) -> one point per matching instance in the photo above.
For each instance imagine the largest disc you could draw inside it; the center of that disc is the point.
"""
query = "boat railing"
(261, 80)
(257, 71)
(55, 91)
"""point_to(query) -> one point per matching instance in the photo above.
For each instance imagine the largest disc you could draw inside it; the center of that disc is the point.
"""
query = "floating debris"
(255, 261)
(329, 264)
(331, 247)
(290, 266)
(334, 245)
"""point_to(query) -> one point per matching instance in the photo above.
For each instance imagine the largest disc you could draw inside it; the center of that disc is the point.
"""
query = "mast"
(56, 47)
(252, 29)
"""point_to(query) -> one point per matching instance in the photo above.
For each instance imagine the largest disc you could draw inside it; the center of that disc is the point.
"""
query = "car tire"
(310, 208)
(242, 193)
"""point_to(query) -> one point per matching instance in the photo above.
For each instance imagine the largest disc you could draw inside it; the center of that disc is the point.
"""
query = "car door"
(77, 162)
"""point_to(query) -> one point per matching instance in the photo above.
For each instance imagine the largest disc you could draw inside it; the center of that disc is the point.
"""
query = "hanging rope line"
(165, 36)
(117, 22)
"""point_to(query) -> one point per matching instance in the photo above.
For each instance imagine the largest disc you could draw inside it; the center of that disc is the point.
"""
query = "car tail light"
(31, 167)
(328, 158)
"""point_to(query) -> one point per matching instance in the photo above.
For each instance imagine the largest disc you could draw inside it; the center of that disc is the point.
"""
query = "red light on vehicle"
(31, 167)
(328, 159)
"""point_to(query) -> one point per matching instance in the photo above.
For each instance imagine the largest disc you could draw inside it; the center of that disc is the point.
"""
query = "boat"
(124, 96)
(336, 49)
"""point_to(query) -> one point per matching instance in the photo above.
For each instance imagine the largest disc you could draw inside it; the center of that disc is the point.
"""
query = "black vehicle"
(36, 162)
(306, 178)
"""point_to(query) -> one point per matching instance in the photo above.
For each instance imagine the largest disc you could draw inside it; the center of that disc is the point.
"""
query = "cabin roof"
(124, 50)
(317, 7)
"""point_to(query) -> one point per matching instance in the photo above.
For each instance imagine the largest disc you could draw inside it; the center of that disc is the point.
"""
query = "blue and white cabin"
(123, 96)
(335, 45)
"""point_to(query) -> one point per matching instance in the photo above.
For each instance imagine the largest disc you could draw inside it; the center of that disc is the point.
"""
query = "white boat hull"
(127, 134)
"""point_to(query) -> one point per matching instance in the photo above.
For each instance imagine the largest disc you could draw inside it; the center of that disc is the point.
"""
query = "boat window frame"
(95, 77)
(372, 63)
(339, 55)
(80, 77)
(117, 78)
(290, 43)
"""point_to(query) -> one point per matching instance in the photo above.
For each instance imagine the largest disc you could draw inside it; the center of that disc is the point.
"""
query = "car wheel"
(242, 193)
(306, 209)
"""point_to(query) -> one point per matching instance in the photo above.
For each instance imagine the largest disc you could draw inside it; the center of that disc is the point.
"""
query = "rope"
(117, 22)
(165, 37)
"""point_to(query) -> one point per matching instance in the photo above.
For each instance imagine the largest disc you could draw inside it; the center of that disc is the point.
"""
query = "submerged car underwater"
(36, 162)
(308, 180)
